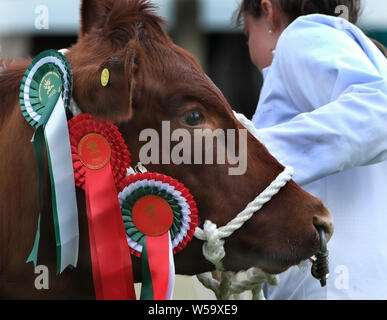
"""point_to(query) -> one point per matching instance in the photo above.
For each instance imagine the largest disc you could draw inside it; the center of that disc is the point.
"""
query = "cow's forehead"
(178, 69)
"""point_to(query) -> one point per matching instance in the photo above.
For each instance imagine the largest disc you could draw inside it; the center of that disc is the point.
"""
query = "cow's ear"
(93, 14)
(108, 90)
(132, 61)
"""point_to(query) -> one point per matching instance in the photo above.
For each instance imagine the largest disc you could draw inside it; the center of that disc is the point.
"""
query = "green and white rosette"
(45, 94)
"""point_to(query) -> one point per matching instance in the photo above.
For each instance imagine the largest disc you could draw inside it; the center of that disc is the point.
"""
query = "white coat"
(323, 110)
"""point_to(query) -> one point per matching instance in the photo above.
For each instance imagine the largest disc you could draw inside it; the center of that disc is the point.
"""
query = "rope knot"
(213, 248)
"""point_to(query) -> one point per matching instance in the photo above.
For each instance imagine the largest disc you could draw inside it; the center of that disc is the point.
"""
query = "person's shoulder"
(315, 27)
(314, 36)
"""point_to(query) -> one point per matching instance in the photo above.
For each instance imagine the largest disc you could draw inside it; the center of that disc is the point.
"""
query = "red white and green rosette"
(45, 93)
(100, 159)
(160, 218)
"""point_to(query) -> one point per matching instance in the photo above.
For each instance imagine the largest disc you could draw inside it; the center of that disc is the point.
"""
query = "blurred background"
(203, 27)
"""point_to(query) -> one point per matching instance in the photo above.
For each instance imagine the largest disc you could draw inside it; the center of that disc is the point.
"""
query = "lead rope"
(225, 284)
(232, 287)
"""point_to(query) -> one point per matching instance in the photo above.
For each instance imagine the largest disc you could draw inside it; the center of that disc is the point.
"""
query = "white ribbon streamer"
(58, 143)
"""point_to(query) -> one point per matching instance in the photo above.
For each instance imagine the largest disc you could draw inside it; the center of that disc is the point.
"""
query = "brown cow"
(151, 80)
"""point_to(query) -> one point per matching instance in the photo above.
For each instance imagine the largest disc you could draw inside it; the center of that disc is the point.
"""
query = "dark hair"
(296, 8)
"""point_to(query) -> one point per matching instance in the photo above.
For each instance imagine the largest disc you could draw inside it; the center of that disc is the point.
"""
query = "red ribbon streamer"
(110, 256)
(158, 259)
(100, 159)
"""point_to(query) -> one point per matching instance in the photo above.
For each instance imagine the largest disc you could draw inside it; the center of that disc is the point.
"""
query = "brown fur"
(10, 81)
(151, 80)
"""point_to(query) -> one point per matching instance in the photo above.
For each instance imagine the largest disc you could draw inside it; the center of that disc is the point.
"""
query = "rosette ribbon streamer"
(100, 159)
(45, 93)
(160, 217)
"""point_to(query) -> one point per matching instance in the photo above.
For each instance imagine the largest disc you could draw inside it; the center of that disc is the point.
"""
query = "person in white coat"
(323, 110)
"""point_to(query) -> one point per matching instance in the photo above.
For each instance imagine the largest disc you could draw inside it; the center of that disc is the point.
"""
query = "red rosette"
(100, 159)
(84, 124)
(177, 186)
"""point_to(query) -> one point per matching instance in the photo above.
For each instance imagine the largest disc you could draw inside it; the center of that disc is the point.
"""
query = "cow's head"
(152, 80)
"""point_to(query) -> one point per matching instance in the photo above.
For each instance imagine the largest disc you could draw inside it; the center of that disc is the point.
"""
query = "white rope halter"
(213, 249)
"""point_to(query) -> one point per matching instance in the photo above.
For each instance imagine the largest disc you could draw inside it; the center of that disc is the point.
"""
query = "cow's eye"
(193, 118)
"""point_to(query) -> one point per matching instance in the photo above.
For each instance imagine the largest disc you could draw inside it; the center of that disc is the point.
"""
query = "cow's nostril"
(324, 222)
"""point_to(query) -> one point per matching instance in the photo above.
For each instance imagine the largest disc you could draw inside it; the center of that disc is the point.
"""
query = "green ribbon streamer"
(147, 286)
(33, 257)
(39, 140)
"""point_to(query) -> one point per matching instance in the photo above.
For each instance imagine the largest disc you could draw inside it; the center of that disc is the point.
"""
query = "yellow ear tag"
(105, 77)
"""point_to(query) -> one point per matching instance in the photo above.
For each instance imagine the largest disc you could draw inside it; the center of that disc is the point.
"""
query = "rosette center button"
(94, 151)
